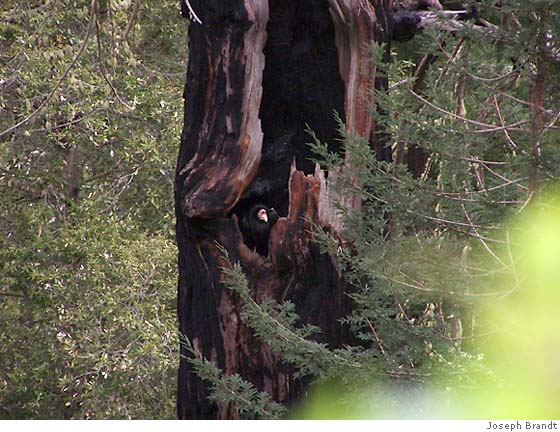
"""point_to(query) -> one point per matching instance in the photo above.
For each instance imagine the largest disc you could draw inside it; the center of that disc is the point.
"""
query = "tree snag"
(258, 72)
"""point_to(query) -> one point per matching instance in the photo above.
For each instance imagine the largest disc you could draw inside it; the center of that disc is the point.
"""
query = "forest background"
(90, 120)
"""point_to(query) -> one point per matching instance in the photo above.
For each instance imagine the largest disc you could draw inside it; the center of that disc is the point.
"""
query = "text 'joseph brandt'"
(527, 425)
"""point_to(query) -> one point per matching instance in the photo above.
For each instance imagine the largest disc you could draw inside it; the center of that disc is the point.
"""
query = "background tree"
(90, 105)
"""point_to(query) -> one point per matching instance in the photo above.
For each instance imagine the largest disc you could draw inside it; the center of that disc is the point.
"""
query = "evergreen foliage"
(248, 401)
(87, 255)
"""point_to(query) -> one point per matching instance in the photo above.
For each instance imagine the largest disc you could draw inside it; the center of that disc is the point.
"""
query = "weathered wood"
(225, 165)
(219, 155)
(354, 22)
(358, 24)
(222, 100)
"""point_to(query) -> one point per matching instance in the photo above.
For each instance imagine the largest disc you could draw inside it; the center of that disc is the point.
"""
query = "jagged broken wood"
(231, 132)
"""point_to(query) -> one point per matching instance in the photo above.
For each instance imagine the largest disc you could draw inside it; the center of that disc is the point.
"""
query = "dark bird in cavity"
(256, 225)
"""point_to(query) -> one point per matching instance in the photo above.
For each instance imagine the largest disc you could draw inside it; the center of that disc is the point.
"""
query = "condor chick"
(255, 227)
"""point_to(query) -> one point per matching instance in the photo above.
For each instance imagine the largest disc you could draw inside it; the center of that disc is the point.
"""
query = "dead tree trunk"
(258, 71)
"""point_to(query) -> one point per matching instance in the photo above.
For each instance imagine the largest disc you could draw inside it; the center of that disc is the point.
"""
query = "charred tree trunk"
(258, 71)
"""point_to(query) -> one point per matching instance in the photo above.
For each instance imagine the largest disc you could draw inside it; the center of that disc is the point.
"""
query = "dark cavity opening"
(301, 85)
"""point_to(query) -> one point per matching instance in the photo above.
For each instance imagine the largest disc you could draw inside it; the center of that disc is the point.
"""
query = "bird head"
(262, 214)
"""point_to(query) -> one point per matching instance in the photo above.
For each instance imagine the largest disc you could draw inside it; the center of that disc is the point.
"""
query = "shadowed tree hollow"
(259, 71)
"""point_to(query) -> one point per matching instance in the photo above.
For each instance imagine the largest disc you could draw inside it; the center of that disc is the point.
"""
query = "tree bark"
(258, 72)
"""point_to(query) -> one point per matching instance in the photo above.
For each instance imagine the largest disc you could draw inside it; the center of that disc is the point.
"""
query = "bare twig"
(460, 106)
(104, 73)
(511, 144)
(513, 268)
(488, 127)
(490, 251)
(63, 76)
(376, 336)
(477, 160)
(195, 18)
(132, 18)
(409, 285)
(505, 179)
(450, 60)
